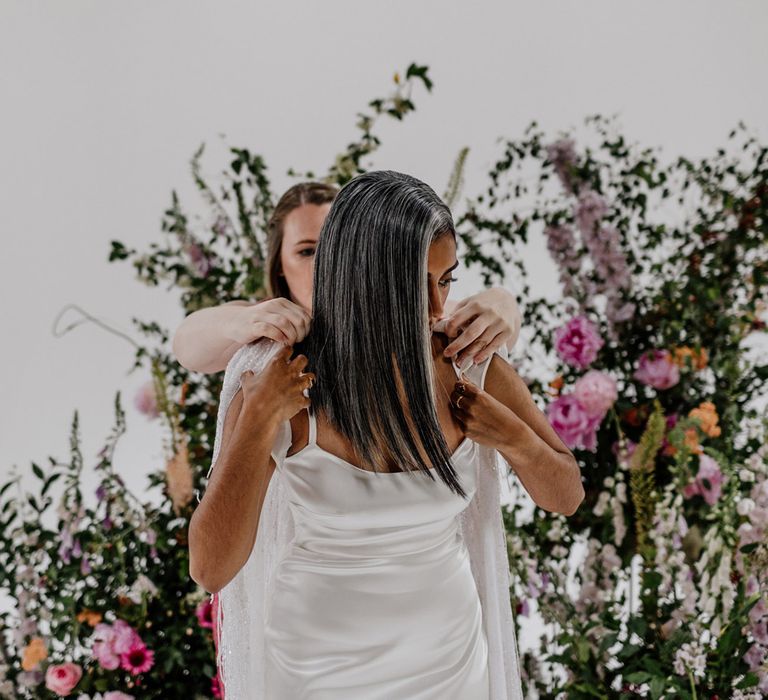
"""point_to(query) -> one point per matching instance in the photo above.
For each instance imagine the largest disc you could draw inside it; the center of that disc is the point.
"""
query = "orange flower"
(89, 616)
(707, 416)
(699, 358)
(33, 654)
(692, 441)
(556, 384)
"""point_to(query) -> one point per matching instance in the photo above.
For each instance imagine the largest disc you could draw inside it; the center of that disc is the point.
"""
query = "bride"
(356, 544)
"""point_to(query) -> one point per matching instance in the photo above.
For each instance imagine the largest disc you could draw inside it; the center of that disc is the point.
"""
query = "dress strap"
(312, 427)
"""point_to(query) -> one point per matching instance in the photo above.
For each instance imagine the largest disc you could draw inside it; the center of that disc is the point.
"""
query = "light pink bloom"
(578, 341)
(146, 401)
(656, 369)
(755, 656)
(596, 391)
(117, 695)
(62, 678)
(113, 642)
(572, 423)
(708, 482)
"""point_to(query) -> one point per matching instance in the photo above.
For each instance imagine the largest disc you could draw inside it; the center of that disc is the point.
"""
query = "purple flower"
(590, 209)
(578, 341)
(656, 369)
(562, 155)
(573, 423)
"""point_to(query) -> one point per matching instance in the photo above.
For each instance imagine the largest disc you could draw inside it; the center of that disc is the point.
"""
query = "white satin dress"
(375, 598)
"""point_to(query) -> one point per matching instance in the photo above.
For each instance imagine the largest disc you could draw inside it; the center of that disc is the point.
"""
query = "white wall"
(104, 102)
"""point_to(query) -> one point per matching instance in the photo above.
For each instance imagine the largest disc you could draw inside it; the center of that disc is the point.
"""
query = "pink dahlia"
(138, 659)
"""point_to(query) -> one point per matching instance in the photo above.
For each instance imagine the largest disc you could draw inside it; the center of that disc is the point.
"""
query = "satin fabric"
(375, 597)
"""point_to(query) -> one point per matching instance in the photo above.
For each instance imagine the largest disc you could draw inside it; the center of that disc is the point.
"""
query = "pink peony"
(656, 369)
(117, 695)
(146, 401)
(708, 482)
(62, 678)
(572, 423)
(578, 341)
(596, 391)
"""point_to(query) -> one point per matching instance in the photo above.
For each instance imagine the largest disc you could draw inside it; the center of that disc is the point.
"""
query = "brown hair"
(293, 198)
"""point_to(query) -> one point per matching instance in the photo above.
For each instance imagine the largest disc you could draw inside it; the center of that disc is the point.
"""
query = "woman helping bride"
(357, 552)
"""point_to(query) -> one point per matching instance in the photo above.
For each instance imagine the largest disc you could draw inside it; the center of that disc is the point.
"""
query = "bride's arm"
(504, 416)
(206, 339)
(223, 528)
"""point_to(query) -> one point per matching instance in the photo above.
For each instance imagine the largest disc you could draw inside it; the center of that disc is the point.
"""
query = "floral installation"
(656, 587)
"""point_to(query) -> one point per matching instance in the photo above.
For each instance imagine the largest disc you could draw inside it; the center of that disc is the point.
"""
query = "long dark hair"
(370, 343)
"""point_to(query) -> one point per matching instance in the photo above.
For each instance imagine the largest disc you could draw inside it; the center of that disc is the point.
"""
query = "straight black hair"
(369, 343)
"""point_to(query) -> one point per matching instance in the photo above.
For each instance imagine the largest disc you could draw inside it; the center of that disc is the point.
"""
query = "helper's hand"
(481, 324)
(278, 318)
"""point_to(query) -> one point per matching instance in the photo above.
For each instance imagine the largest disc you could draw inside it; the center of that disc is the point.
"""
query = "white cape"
(241, 607)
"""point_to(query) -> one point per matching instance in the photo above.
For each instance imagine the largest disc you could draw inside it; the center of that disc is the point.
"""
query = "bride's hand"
(278, 318)
(483, 323)
(482, 416)
(278, 388)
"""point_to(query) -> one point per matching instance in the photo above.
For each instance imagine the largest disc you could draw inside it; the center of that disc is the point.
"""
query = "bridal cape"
(241, 605)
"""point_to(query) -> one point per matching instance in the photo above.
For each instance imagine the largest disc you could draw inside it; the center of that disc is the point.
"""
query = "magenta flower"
(578, 341)
(656, 369)
(62, 678)
(573, 423)
(596, 391)
(204, 613)
(708, 481)
(138, 659)
(145, 400)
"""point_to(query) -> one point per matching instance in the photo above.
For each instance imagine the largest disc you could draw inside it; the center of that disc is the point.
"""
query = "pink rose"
(578, 341)
(572, 423)
(117, 695)
(62, 678)
(596, 391)
(656, 369)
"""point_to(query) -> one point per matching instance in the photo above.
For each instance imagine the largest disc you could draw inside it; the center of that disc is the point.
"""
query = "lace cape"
(241, 603)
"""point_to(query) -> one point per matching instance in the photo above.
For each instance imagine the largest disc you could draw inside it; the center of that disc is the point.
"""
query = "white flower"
(746, 475)
(745, 506)
(690, 657)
